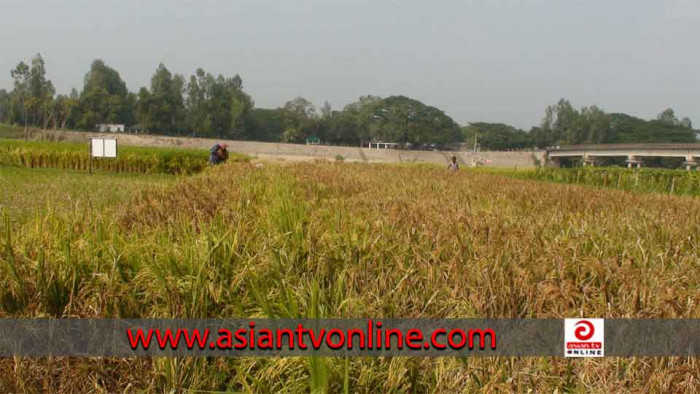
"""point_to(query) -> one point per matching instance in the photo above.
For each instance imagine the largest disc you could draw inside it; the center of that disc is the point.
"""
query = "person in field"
(453, 166)
(218, 154)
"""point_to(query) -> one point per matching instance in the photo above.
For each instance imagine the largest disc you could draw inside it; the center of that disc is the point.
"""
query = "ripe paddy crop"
(28, 192)
(75, 156)
(677, 182)
(352, 240)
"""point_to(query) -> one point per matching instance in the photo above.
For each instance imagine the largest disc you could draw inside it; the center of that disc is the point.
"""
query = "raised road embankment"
(295, 152)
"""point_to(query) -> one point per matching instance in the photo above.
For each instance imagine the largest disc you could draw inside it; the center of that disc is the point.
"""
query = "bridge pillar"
(690, 163)
(552, 162)
(588, 160)
(631, 161)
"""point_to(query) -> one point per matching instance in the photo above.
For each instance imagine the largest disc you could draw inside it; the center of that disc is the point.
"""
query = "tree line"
(217, 106)
(565, 125)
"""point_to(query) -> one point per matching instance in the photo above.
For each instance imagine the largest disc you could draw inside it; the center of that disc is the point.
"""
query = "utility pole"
(475, 135)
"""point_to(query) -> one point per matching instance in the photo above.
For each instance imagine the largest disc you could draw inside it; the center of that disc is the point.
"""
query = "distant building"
(135, 129)
(383, 145)
(112, 128)
(313, 140)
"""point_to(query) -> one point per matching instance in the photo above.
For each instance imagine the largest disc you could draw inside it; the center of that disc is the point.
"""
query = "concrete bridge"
(633, 152)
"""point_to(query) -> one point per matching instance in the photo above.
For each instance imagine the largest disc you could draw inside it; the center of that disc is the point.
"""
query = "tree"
(217, 106)
(264, 124)
(299, 108)
(686, 123)
(629, 129)
(241, 104)
(103, 77)
(405, 120)
(292, 136)
(326, 110)
(162, 109)
(593, 127)
(563, 124)
(39, 86)
(497, 136)
(668, 116)
(546, 129)
(362, 112)
(104, 98)
(344, 127)
(62, 110)
(32, 96)
(324, 121)
(20, 94)
(143, 109)
(196, 103)
(42, 92)
(4, 106)
(299, 119)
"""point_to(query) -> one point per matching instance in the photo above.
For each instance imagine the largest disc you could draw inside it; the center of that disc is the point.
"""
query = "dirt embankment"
(295, 152)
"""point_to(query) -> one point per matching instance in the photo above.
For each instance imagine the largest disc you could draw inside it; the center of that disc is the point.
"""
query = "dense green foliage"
(649, 180)
(496, 136)
(212, 106)
(75, 156)
(104, 99)
(564, 125)
(392, 119)
(627, 129)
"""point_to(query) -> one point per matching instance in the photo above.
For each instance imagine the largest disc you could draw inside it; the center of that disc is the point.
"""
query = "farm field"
(343, 240)
(28, 192)
(647, 180)
(133, 159)
(288, 152)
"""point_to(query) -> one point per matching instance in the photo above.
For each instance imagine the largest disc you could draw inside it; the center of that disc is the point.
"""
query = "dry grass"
(346, 240)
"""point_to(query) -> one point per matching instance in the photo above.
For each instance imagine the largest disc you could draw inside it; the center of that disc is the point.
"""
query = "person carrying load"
(218, 154)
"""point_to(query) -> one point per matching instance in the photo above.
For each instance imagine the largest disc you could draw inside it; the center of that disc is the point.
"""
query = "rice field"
(679, 182)
(354, 240)
(75, 156)
(26, 193)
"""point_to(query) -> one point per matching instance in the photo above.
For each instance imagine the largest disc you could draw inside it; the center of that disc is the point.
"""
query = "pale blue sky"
(494, 60)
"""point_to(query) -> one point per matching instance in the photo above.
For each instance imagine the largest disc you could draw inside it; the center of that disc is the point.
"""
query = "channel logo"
(584, 337)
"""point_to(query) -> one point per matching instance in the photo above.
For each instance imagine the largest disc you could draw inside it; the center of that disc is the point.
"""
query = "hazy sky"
(489, 60)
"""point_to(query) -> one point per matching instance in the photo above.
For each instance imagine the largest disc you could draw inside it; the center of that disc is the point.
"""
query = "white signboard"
(110, 149)
(103, 147)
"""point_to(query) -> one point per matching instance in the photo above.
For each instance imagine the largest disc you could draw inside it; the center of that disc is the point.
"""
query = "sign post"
(102, 147)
